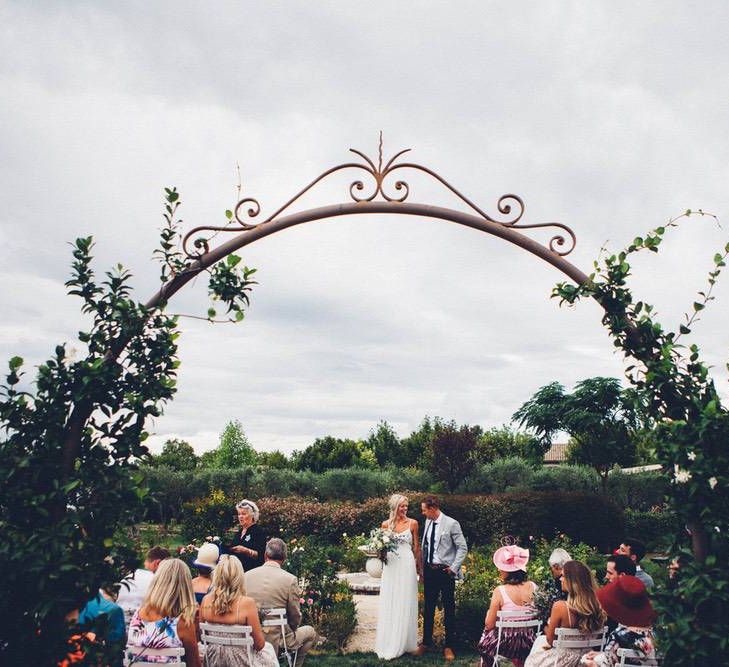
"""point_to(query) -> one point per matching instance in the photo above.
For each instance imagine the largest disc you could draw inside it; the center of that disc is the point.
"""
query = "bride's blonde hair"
(396, 500)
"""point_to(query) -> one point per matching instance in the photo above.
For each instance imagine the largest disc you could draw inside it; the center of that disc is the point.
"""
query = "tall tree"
(600, 417)
(503, 442)
(330, 452)
(452, 449)
(385, 444)
(274, 459)
(234, 450)
(177, 455)
(415, 450)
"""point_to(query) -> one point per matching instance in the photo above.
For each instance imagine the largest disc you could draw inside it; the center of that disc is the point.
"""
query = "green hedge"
(656, 528)
(588, 518)
(170, 490)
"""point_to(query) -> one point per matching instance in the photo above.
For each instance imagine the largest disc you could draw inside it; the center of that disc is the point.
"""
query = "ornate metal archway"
(508, 225)
(381, 195)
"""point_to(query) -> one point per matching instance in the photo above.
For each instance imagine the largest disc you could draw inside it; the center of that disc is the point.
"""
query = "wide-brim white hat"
(207, 556)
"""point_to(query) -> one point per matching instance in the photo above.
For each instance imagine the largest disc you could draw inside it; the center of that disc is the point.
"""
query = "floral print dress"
(636, 639)
(154, 634)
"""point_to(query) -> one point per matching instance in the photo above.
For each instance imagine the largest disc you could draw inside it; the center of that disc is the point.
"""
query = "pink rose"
(310, 601)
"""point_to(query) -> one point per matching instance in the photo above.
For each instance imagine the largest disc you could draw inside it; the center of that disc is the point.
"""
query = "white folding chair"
(277, 618)
(576, 639)
(142, 656)
(508, 620)
(630, 657)
(227, 635)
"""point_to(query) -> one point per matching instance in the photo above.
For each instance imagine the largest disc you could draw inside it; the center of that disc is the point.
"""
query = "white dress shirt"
(428, 528)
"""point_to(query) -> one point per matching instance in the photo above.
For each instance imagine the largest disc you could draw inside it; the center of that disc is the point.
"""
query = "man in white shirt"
(133, 588)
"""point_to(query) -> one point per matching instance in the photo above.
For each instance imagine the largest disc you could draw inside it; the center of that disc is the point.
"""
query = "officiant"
(249, 543)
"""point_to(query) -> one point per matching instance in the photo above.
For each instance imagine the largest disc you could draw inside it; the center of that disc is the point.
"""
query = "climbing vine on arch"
(692, 445)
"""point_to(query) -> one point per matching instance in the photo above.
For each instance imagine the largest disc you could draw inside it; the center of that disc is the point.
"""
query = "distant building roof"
(557, 453)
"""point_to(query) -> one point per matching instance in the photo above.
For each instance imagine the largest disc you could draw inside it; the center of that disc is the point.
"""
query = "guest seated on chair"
(207, 559)
(582, 610)
(626, 600)
(515, 594)
(272, 587)
(635, 550)
(166, 618)
(619, 565)
(104, 604)
(228, 604)
(557, 559)
(133, 589)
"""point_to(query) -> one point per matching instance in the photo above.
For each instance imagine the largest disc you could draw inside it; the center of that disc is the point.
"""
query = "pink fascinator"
(511, 558)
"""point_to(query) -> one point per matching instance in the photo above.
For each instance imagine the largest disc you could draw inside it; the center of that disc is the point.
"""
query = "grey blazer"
(451, 546)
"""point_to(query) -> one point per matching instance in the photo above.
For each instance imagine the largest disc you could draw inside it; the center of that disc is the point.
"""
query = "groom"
(443, 551)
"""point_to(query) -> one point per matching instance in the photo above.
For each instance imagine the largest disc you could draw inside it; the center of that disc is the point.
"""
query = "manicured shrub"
(352, 484)
(655, 528)
(409, 479)
(638, 491)
(279, 482)
(566, 478)
(499, 476)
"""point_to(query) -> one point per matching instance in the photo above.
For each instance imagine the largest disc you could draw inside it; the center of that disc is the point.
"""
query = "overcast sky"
(609, 117)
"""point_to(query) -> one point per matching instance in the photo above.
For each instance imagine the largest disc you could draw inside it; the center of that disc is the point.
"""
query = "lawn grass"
(370, 660)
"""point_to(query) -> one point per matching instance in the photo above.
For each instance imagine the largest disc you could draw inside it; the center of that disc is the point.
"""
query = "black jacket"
(255, 539)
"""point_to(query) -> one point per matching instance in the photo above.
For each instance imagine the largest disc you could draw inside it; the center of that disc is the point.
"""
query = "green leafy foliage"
(234, 450)
(690, 440)
(452, 452)
(504, 442)
(70, 440)
(176, 455)
(329, 452)
(599, 415)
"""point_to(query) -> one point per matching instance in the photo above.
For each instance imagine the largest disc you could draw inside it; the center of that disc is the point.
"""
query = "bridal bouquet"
(381, 542)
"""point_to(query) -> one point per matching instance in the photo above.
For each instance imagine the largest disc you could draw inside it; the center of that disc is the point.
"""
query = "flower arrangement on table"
(380, 543)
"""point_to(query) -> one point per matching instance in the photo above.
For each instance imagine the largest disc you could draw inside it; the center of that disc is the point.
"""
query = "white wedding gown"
(397, 622)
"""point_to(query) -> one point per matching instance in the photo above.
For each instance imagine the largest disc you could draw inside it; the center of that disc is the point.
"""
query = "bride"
(397, 623)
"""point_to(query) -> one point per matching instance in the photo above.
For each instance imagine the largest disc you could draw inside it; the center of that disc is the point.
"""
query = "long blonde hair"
(170, 593)
(395, 501)
(582, 596)
(228, 584)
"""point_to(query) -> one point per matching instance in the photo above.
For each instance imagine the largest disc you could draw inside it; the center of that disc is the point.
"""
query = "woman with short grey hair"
(249, 543)
(557, 559)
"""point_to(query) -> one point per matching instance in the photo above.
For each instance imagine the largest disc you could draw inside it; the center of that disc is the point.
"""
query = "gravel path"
(363, 638)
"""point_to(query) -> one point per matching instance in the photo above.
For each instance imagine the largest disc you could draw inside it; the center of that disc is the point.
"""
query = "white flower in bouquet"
(381, 543)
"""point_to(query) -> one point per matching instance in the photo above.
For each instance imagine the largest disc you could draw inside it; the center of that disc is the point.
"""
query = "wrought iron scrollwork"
(510, 206)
